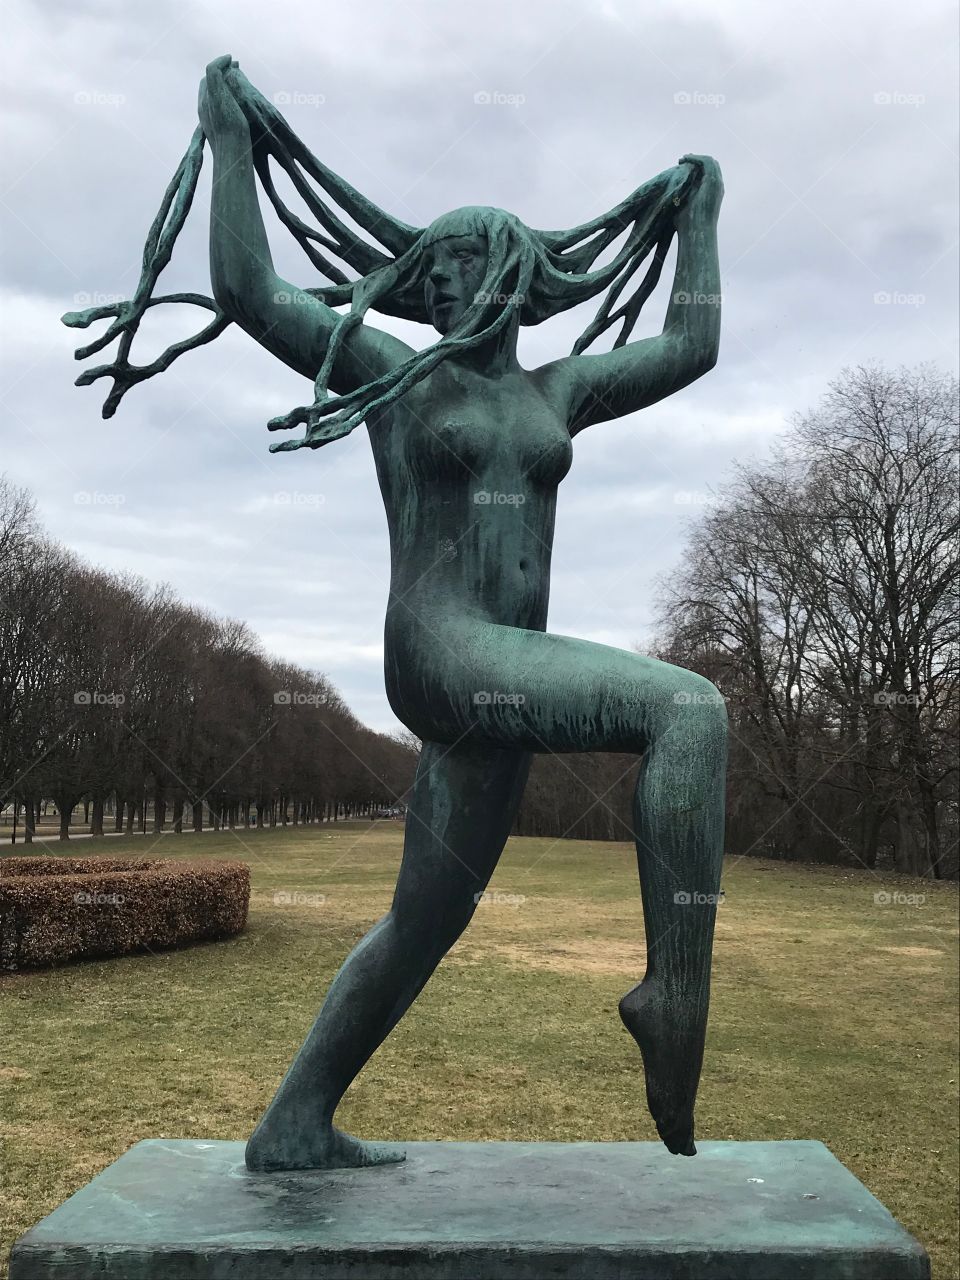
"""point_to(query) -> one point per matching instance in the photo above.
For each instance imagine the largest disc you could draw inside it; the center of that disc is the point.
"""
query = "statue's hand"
(219, 111)
(705, 200)
(242, 88)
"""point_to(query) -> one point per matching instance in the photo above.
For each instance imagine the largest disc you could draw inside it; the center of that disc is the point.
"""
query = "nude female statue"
(469, 665)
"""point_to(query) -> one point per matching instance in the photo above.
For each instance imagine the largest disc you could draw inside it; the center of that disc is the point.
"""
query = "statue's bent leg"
(561, 694)
(462, 808)
(679, 826)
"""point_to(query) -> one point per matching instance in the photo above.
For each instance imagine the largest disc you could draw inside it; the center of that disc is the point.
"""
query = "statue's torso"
(469, 470)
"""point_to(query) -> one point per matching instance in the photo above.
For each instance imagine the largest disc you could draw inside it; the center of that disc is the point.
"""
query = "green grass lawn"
(834, 1017)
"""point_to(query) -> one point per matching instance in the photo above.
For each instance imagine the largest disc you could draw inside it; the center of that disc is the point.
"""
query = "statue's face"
(454, 268)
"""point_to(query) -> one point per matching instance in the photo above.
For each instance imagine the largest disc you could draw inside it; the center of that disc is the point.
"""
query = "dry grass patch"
(820, 1028)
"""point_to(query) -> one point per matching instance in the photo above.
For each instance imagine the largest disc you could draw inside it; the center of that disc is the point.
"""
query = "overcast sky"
(835, 127)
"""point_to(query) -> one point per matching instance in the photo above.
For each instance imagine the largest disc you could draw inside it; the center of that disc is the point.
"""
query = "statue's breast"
(458, 442)
(528, 442)
(546, 450)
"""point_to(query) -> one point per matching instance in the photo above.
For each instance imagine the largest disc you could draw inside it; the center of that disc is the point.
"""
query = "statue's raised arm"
(637, 374)
(289, 322)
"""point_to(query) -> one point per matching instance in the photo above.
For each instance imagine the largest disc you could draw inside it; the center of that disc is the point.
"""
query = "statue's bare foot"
(321, 1148)
(671, 1042)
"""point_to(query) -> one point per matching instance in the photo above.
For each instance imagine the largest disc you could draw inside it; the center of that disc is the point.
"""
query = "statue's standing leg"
(463, 805)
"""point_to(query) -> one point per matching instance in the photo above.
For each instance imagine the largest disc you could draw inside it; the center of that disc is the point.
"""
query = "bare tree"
(824, 586)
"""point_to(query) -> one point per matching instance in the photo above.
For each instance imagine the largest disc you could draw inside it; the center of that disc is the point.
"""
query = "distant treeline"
(117, 696)
(581, 797)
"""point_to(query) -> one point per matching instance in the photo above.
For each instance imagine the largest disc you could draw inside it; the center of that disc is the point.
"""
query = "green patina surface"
(477, 1211)
(470, 448)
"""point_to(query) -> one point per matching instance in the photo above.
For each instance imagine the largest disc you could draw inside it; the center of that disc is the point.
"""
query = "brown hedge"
(58, 909)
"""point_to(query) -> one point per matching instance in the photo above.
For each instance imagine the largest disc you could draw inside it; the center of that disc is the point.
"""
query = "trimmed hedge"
(58, 909)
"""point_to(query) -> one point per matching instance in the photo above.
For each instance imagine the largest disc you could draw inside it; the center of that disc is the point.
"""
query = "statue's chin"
(449, 321)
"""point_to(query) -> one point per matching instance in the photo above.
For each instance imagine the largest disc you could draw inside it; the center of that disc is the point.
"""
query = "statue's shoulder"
(556, 380)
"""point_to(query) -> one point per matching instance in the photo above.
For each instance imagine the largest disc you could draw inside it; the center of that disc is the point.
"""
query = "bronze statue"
(470, 448)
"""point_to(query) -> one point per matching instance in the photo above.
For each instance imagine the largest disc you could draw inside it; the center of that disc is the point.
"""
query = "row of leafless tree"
(117, 695)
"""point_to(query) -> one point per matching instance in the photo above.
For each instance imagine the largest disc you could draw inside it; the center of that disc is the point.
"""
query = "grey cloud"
(833, 197)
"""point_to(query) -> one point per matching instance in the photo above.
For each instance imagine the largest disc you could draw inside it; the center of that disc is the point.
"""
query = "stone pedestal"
(477, 1211)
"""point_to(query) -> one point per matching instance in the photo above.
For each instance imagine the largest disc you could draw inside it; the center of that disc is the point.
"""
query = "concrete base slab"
(190, 1210)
